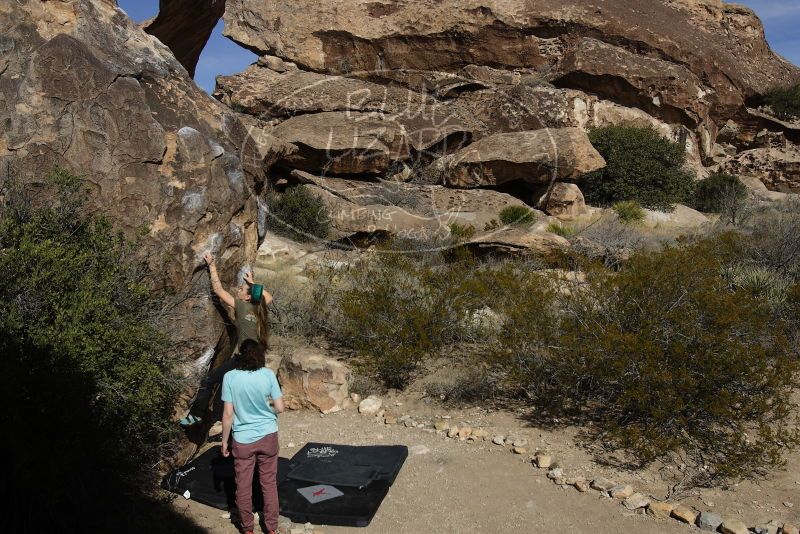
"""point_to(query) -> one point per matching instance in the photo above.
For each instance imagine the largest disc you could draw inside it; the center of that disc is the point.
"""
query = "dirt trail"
(454, 487)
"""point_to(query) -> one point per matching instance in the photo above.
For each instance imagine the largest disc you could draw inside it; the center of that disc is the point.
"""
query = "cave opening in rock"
(197, 41)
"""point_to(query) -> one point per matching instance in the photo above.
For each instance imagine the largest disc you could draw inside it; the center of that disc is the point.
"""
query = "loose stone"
(709, 521)
(602, 484)
(621, 491)
(685, 514)
(733, 526)
(660, 510)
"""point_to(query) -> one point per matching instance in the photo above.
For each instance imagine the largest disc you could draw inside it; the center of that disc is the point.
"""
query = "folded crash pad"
(323, 483)
(360, 477)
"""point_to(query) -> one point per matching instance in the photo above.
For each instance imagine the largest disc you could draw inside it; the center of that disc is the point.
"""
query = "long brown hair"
(262, 314)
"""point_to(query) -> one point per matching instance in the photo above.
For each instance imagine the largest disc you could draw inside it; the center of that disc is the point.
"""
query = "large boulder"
(536, 157)
(564, 201)
(519, 241)
(281, 95)
(343, 142)
(694, 59)
(405, 210)
(84, 88)
(311, 379)
(260, 90)
(681, 217)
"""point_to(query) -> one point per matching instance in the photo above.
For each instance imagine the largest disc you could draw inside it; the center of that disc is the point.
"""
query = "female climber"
(248, 311)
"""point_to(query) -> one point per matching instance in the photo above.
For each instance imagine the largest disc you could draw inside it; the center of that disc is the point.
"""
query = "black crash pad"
(209, 479)
(363, 475)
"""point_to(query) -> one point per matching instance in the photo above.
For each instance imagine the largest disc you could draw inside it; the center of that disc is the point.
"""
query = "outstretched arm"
(216, 285)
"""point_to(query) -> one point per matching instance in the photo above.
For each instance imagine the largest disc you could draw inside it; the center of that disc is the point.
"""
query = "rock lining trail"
(452, 486)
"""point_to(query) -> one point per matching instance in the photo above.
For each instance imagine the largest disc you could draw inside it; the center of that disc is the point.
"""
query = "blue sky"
(223, 56)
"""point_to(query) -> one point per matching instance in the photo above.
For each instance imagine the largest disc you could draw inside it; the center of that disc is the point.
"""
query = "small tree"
(641, 166)
(720, 193)
(784, 102)
(299, 213)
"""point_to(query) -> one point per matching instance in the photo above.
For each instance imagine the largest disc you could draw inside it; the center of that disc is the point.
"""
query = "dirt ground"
(453, 485)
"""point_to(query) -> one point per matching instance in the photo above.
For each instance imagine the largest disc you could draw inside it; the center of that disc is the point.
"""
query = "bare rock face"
(564, 201)
(405, 210)
(343, 142)
(696, 61)
(259, 90)
(84, 88)
(536, 157)
(777, 167)
(275, 95)
(185, 26)
(310, 379)
(520, 241)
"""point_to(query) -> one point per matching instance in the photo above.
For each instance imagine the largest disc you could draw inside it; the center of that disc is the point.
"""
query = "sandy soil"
(457, 485)
(453, 486)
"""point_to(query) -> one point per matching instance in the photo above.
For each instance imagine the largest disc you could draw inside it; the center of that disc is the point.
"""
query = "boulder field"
(406, 116)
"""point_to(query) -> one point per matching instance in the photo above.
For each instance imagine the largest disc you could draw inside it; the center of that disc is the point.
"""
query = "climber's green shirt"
(246, 320)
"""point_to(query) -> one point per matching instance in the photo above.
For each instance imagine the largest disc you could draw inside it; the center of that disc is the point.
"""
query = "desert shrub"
(397, 309)
(765, 285)
(517, 215)
(665, 359)
(629, 211)
(491, 225)
(719, 193)
(462, 232)
(299, 214)
(88, 386)
(611, 242)
(641, 166)
(477, 386)
(784, 101)
(562, 230)
(772, 237)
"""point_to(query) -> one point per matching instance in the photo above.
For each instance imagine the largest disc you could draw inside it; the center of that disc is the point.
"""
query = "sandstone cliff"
(83, 87)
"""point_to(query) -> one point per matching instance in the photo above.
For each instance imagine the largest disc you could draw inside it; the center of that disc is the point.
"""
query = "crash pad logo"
(319, 493)
(322, 452)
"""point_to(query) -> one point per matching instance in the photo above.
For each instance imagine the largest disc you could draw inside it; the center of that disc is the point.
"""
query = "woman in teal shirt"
(253, 400)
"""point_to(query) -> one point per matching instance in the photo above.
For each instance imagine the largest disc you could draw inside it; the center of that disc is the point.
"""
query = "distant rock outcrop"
(691, 62)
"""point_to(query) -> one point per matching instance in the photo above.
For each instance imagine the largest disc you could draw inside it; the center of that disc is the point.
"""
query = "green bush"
(88, 382)
(299, 214)
(763, 284)
(397, 310)
(512, 215)
(665, 359)
(462, 232)
(641, 166)
(629, 211)
(559, 229)
(719, 192)
(784, 101)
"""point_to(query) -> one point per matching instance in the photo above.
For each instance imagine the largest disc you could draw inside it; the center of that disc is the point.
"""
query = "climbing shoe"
(190, 420)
